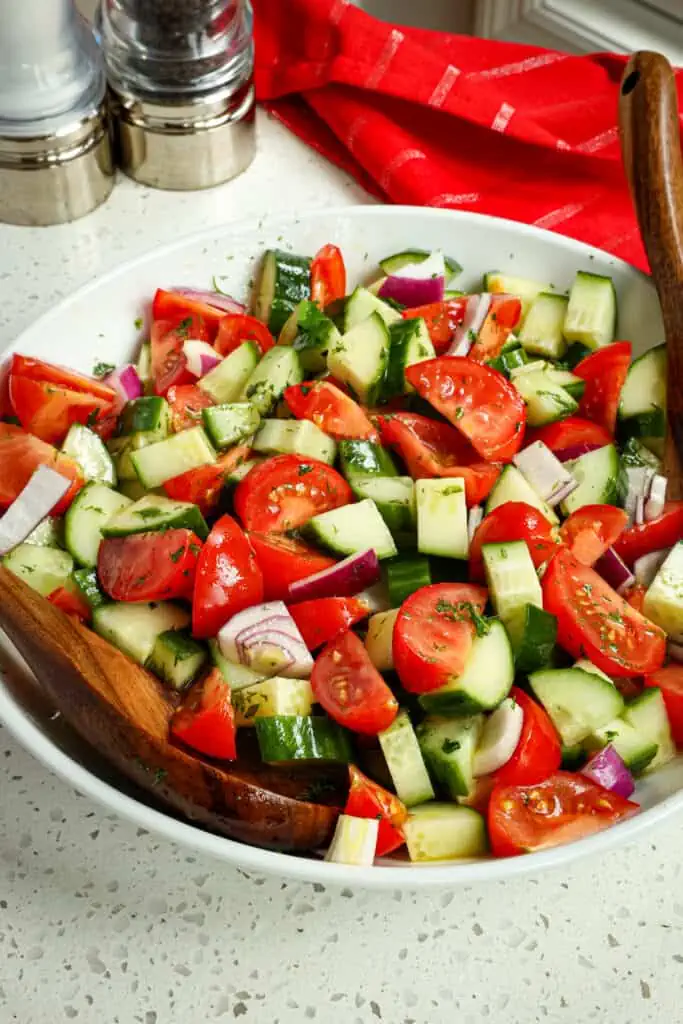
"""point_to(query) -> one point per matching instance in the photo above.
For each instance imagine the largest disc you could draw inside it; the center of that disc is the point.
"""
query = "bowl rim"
(307, 868)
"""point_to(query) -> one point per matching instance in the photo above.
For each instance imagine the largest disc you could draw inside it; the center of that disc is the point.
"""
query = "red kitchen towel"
(432, 119)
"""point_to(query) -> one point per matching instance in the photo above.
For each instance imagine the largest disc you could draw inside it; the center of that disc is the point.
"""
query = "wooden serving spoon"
(651, 149)
(124, 712)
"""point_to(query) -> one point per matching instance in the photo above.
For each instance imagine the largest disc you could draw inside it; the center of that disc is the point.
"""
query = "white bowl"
(98, 323)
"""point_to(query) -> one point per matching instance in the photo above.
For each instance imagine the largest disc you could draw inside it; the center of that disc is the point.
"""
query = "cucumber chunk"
(405, 762)
(578, 702)
(155, 512)
(230, 423)
(390, 264)
(274, 696)
(177, 658)
(514, 585)
(89, 451)
(314, 335)
(641, 736)
(159, 462)
(546, 401)
(48, 534)
(89, 588)
(592, 310)
(448, 746)
(405, 575)
(294, 437)
(278, 370)
(134, 628)
(365, 458)
(227, 380)
(642, 406)
(512, 486)
(43, 569)
(360, 358)
(442, 517)
(352, 528)
(354, 841)
(536, 642)
(600, 480)
(663, 602)
(149, 415)
(91, 510)
(237, 676)
(438, 831)
(379, 640)
(361, 304)
(522, 287)
(409, 343)
(284, 739)
(541, 333)
(394, 497)
(284, 282)
(485, 681)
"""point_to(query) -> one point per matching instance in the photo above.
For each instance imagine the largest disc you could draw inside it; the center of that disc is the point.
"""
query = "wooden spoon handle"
(651, 148)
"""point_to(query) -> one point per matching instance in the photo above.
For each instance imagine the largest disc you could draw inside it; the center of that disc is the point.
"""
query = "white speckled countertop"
(102, 923)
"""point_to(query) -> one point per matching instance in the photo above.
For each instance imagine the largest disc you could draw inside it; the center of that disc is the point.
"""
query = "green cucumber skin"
(294, 738)
(405, 576)
(145, 414)
(365, 458)
(292, 285)
(538, 640)
(88, 585)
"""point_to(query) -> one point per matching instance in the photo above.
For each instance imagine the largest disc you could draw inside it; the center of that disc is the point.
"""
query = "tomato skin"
(564, 807)
(539, 751)
(187, 402)
(169, 365)
(203, 486)
(433, 634)
(20, 455)
(176, 308)
(47, 410)
(591, 530)
(636, 596)
(604, 372)
(515, 520)
(70, 604)
(441, 318)
(285, 491)
(369, 800)
(149, 566)
(430, 448)
(321, 620)
(502, 318)
(330, 409)
(284, 561)
(328, 276)
(594, 622)
(227, 580)
(653, 536)
(36, 369)
(670, 681)
(206, 719)
(479, 401)
(350, 689)
(236, 328)
(569, 432)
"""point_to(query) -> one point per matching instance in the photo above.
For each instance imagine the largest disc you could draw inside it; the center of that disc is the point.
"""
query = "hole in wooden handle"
(630, 82)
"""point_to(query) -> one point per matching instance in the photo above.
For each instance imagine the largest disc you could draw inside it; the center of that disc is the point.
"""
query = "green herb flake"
(175, 556)
(101, 370)
(450, 746)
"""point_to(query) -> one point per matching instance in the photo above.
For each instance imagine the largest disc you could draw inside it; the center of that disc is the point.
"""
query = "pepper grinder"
(181, 79)
(55, 153)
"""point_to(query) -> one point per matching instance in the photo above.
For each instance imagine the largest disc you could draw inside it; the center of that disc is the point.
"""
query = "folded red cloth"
(431, 119)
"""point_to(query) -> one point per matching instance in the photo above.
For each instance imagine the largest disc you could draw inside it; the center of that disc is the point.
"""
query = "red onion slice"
(544, 472)
(216, 299)
(474, 519)
(416, 284)
(247, 634)
(345, 579)
(31, 506)
(466, 334)
(200, 356)
(125, 381)
(614, 571)
(609, 771)
(656, 499)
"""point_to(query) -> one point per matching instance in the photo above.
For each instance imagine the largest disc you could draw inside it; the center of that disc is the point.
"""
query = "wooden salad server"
(124, 712)
(651, 149)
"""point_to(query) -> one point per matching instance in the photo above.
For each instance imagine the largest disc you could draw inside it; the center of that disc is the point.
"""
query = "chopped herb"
(450, 746)
(195, 549)
(459, 412)
(611, 734)
(100, 370)
(305, 389)
(138, 323)
(159, 776)
(184, 326)
(175, 556)
(304, 468)
(147, 513)
(92, 418)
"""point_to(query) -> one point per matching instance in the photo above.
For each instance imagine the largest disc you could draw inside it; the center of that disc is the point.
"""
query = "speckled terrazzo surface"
(102, 923)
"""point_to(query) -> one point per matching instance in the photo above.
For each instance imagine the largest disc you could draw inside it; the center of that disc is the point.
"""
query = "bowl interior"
(101, 322)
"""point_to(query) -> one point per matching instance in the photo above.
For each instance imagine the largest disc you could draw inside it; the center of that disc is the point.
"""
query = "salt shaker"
(55, 153)
(181, 80)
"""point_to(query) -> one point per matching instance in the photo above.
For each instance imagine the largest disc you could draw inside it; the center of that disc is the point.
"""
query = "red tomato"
(515, 520)
(539, 751)
(570, 432)
(441, 318)
(591, 530)
(636, 596)
(501, 319)
(21, 454)
(322, 620)
(203, 486)
(430, 448)
(328, 276)
(47, 411)
(36, 369)
(368, 800)
(206, 720)
(594, 622)
(563, 808)
(478, 400)
(70, 604)
(670, 682)
(228, 578)
(330, 409)
(236, 328)
(433, 634)
(653, 536)
(187, 402)
(350, 689)
(169, 365)
(149, 566)
(604, 372)
(284, 561)
(178, 308)
(284, 492)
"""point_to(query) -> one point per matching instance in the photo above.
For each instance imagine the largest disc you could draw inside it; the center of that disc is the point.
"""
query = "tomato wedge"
(47, 410)
(36, 369)
(539, 751)
(441, 318)
(604, 372)
(322, 620)
(350, 689)
(70, 604)
(284, 561)
(478, 400)
(203, 486)
(594, 622)
(227, 579)
(330, 409)
(206, 719)
(670, 682)
(369, 800)
(659, 533)
(186, 402)
(149, 566)
(21, 454)
(591, 530)
(433, 634)
(178, 309)
(562, 808)
(569, 433)
(236, 328)
(431, 448)
(169, 365)
(284, 492)
(328, 276)
(502, 318)
(515, 520)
